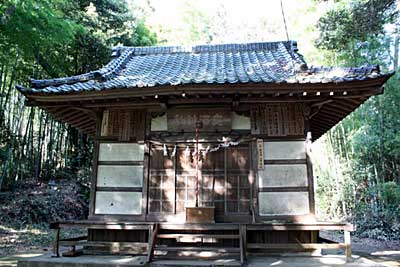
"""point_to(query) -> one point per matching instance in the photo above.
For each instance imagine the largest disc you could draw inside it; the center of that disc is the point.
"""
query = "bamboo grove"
(46, 39)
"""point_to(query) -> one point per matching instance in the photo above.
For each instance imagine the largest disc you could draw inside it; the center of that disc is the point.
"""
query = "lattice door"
(223, 180)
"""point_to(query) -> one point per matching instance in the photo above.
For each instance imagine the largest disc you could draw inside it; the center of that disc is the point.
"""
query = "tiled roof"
(269, 62)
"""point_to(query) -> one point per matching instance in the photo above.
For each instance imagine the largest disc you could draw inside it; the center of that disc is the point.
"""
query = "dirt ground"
(26, 212)
(385, 252)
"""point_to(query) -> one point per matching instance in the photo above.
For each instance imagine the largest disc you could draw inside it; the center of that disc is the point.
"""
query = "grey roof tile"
(137, 67)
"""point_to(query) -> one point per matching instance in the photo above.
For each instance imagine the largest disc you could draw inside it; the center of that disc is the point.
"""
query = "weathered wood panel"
(281, 119)
(126, 125)
(124, 203)
(283, 175)
(283, 203)
(121, 152)
(284, 150)
(119, 176)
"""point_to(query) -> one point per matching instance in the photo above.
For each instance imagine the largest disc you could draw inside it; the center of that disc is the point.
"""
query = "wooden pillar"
(94, 165)
(57, 243)
(152, 242)
(314, 236)
(243, 243)
(347, 242)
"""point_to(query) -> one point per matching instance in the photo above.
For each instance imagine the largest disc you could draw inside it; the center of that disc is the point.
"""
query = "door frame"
(179, 218)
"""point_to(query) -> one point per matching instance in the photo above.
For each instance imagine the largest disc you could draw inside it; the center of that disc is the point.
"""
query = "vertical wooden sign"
(260, 154)
(104, 123)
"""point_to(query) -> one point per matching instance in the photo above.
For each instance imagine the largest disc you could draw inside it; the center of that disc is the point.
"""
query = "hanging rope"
(284, 21)
(292, 54)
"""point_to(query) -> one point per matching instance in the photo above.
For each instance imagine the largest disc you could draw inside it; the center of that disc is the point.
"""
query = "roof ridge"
(148, 50)
(104, 73)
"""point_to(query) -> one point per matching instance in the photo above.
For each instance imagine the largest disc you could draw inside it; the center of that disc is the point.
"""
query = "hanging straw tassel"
(204, 154)
(165, 150)
(173, 152)
(187, 152)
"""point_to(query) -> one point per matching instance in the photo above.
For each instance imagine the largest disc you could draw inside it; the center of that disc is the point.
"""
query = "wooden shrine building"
(204, 148)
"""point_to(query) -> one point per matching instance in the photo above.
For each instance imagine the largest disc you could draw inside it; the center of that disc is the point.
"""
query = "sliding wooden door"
(223, 181)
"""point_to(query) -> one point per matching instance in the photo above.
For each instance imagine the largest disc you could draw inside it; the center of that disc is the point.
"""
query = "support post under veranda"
(57, 243)
(347, 242)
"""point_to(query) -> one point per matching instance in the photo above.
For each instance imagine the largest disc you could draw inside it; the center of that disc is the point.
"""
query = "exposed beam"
(320, 120)
(83, 122)
(73, 115)
(79, 120)
(336, 109)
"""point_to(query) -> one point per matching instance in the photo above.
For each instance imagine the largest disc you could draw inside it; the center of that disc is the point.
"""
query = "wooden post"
(314, 236)
(242, 242)
(92, 200)
(152, 242)
(347, 242)
(57, 244)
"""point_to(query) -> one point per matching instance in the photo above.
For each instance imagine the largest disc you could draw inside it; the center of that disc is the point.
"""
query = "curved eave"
(332, 113)
(83, 120)
(262, 87)
(73, 108)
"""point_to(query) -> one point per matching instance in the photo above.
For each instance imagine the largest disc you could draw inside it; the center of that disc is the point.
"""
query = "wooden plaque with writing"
(212, 120)
(282, 119)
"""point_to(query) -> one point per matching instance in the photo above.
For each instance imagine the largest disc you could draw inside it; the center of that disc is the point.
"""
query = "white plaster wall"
(284, 150)
(283, 175)
(126, 203)
(283, 203)
(240, 122)
(119, 176)
(121, 152)
(159, 123)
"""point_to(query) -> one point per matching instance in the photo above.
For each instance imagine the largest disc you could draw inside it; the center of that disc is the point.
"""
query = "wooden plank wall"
(126, 125)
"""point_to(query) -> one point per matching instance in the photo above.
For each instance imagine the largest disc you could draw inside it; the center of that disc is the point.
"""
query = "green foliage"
(354, 21)
(353, 28)
(390, 194)
(35, 24)
(142, 36)
(47, 39)
(361, 182)
(334, 29)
